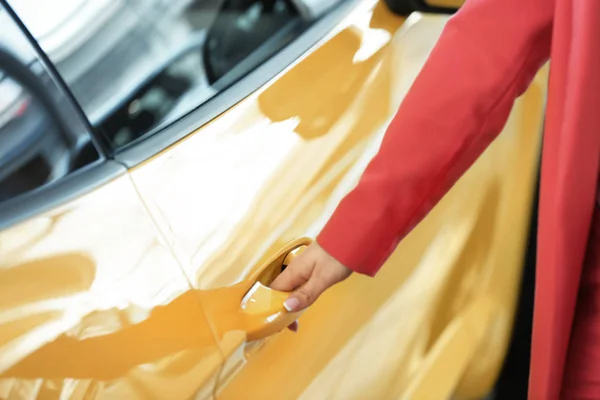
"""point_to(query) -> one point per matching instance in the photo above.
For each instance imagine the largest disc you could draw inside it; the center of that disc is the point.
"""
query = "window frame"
(75, 184)
(48, 65)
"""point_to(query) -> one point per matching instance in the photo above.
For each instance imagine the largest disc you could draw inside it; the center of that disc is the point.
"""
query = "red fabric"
(486, 57)
(568, 188)
(582, 370)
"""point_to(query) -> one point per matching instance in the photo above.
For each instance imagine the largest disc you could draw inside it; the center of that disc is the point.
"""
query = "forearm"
(486, 57)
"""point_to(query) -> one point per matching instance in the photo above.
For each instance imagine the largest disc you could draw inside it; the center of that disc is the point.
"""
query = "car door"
(93, 303)
(436, 322)
(270, 169)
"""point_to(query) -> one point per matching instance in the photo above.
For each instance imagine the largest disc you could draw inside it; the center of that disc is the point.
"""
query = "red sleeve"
(486, 57)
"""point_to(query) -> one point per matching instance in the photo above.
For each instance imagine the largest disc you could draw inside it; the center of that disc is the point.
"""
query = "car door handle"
(263, 311)
(262, 307)
(251, 306)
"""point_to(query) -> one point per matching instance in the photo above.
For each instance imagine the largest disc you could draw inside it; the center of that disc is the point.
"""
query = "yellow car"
(162, 161)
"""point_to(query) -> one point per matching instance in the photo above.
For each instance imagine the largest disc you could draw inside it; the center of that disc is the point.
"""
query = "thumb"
(304, 296)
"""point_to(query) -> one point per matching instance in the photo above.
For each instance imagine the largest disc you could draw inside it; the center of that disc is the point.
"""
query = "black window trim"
(55, 194)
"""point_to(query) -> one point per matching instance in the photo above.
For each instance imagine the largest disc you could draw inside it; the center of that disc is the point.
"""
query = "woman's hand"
(308, 276)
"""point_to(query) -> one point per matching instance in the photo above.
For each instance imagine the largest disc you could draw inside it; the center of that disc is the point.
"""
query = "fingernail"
(291, 303)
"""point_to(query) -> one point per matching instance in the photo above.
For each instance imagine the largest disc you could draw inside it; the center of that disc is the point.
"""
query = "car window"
(138, 65)
(41, 138)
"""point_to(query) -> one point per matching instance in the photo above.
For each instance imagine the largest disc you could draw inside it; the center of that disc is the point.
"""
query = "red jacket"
(486, 57)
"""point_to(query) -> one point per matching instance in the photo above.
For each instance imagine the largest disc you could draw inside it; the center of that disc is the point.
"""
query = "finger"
(295, 275)
(305, 296)
(294, 326)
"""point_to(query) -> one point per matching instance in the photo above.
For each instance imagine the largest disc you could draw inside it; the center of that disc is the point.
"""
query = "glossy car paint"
(147, 287)
(93, 305)
(271, 169)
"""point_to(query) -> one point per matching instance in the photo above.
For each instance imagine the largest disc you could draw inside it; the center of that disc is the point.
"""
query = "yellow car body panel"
(93, 305)
(273, 167)
(138, 289)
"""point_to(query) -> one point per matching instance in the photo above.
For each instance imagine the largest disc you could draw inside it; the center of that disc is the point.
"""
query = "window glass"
(41, 137)
(137, 65)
